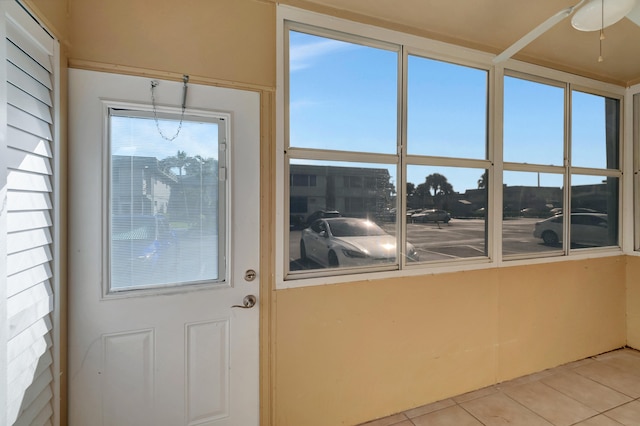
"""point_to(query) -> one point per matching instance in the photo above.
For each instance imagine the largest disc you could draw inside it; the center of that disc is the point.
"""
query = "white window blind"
(28, 223)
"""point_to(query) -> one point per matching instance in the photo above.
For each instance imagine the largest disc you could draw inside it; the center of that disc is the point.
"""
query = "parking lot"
(460, 238)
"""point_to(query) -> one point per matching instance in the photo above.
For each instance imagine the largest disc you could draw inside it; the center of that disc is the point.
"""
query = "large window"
(167, 200)
(431, 164)
(359, 201)
(551, 168)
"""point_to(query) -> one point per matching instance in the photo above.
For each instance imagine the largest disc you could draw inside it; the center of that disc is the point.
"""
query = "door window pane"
(447, 109)
(447, 212)
(594, 211)
(346, 220)
(595, 131)
(342, 95)
(532, 213)
(166, 225)
(533, 122)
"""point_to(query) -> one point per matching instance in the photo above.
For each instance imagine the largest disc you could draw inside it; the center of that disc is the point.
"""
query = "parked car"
(347, 241)
(319, 214)
(431, 215)
(590, 229)
(144, 251)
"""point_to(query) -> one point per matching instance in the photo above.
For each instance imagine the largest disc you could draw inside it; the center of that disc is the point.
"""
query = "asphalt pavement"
(460, 238)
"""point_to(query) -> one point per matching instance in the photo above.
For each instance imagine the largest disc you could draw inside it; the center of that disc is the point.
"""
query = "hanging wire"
(154, 84)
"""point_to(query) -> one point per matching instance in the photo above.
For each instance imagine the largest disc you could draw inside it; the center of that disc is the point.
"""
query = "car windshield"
(354, 228)
(133, 228)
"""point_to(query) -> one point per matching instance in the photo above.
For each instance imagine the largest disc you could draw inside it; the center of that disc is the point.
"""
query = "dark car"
(431, 215)
(321, 214)
(144, 251)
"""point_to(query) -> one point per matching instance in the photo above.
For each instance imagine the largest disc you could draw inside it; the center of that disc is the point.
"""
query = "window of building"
(167, 201)
(303, 180)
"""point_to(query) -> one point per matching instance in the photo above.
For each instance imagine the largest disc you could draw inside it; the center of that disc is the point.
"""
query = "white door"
(163, 230)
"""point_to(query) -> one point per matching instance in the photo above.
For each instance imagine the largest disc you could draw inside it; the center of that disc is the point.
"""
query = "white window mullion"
(496, 112)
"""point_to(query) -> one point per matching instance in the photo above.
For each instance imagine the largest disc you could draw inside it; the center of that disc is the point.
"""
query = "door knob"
(248, 302)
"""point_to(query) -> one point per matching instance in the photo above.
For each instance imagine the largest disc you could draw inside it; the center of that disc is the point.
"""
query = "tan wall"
(633, 301)
(231, 40)
(352, 352)
(346, 353)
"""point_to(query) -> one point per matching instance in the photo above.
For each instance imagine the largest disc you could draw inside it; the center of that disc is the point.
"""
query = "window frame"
(135, 110)
(567, 170)
(288, 16)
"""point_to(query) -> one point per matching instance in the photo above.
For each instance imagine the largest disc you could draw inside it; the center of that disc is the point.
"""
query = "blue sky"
(344, 97)
(140, 137)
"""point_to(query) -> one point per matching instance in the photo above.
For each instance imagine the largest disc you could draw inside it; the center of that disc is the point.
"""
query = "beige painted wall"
(231, 40)
(633, 301)
(352, 352)
(346, 353)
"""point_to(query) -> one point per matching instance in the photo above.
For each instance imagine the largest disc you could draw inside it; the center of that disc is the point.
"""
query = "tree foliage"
(483, 181)
(183, 164)
(438, 184)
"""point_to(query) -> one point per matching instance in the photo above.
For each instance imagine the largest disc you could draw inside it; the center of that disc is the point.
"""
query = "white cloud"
(301, 56)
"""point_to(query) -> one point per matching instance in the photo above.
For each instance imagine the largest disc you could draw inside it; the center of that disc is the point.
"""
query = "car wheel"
(550, 238)
(303, 251)
(333, 259)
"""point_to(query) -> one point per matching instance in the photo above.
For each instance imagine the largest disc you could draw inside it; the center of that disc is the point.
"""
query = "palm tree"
(482, 182)
(438, 184)
(179, 161)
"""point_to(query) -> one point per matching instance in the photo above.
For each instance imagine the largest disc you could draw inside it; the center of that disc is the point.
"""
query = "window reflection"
(447, 212)
(165, 220)
(594, 211)
(345, 219)
(532, 213)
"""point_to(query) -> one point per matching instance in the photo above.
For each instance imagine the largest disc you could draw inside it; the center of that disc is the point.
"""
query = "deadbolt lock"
(250, 275)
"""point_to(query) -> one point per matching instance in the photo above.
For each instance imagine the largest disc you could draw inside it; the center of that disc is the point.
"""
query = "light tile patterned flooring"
(599, 391)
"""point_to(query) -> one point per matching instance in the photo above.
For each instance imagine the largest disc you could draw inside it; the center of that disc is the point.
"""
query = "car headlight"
(354, 253)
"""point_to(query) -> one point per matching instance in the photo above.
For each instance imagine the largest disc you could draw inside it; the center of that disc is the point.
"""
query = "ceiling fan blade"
(535, 33)
(634, 15)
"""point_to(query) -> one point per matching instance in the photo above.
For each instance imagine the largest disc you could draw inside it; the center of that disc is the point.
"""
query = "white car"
(347, 241)
(589, 229)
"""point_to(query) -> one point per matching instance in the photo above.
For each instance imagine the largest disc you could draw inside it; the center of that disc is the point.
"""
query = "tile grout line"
(557, 369)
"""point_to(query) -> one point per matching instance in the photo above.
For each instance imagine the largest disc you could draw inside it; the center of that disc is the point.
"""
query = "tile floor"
(599, 391)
